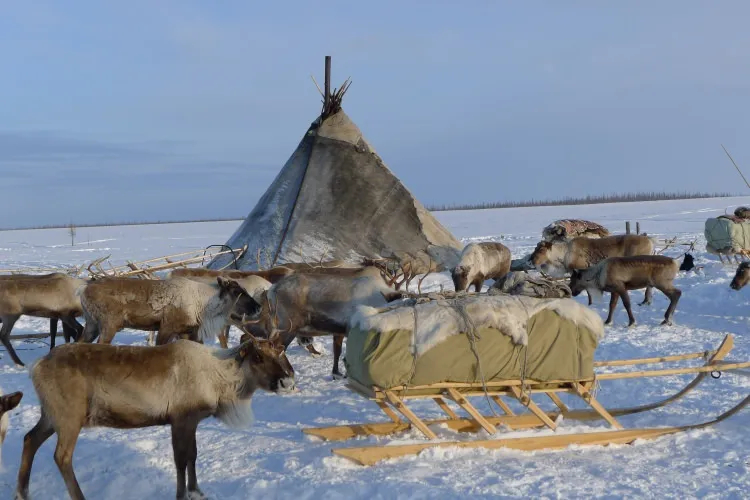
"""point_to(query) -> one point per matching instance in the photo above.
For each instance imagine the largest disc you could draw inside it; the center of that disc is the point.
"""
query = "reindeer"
(479, 262)
(617, 275)
(7, 403)
(741, 277)
(557, 258)
(252, 283)
(125, 387)
(175, 306)
(320, 304)
(51, 296)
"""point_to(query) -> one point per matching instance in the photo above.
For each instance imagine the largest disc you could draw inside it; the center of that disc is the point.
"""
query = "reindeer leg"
(674, 295)
(67, 436)
(338, 344)
(107, 333)
(8, 323)
(626, 302)
(591, 301)
(41, 432)
(192, 481)
(74, 328)
(183, 444)
(53, 332)
(648, 296)
(307, 342)
(614, 296)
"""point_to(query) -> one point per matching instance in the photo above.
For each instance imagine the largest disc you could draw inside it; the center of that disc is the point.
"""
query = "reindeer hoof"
(338, 376)
(608, 323)
(631, 325)
(311, 349)
(666, 322)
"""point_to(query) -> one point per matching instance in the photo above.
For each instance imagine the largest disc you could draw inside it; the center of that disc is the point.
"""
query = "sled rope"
(472, 335)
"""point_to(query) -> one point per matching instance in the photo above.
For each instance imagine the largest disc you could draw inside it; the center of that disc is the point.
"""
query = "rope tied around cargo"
(471, 333)
(413, 354)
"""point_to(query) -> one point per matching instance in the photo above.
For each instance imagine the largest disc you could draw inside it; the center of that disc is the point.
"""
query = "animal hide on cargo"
(433, 321)
(566, 229)
(518, 283)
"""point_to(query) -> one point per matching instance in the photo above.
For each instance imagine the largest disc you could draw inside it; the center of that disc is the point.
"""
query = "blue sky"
(147, 110)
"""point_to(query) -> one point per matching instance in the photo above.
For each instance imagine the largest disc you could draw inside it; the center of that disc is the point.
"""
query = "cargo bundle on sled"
(493, 347)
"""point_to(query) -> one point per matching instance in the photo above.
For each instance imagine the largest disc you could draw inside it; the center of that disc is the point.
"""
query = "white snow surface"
(273, 459)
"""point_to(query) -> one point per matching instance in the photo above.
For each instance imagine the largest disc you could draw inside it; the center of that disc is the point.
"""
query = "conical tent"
(336, 199)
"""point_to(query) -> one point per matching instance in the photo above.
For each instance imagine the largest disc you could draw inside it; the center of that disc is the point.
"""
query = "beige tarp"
(558, 348)
(723, 234)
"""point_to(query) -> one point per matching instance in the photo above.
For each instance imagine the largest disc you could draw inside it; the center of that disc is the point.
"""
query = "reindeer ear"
(10, 401)
(231, 285)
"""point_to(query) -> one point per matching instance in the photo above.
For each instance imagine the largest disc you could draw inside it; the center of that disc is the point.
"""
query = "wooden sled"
(395, 399)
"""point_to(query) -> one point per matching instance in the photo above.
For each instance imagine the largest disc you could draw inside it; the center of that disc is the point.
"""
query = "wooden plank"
(469, 408)
(585, 394)
(410, 416)
(556, 399)
(674, 371)
(373, 454)
(343, 432)
(387, 410)
(503, 405)
(529, 403)
(25, 336)
(725, 347)
(447, 409)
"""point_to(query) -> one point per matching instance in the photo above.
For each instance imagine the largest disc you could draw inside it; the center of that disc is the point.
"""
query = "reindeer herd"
(181, 381)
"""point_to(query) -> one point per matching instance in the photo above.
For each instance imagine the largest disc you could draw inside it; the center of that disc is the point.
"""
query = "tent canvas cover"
(336, 199)
(431, 342)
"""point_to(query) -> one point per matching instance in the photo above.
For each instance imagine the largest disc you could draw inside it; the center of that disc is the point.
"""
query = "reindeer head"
(577, 283)
(9, 401)
(235, 300)
(460, 275)
(741, 277)
(266, 364)
(540, 255)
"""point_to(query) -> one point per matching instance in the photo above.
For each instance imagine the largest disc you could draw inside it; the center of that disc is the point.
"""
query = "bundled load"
(566, 229)
(520, 283)
(471, 338)
(727, 235)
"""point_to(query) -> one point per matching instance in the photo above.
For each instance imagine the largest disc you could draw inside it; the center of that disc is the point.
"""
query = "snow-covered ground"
(273, 459)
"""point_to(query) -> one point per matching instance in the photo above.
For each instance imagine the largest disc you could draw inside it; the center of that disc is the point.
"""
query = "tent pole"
(327, 88)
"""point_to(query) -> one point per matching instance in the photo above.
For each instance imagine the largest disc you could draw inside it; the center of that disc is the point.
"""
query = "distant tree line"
(585, 200)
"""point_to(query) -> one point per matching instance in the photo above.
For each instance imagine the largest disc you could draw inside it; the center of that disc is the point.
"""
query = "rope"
(472, 335)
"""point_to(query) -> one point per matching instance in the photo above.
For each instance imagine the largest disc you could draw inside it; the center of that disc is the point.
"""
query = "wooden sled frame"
(395, 399)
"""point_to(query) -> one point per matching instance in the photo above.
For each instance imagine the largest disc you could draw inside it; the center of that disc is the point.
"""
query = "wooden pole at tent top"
(327, 88)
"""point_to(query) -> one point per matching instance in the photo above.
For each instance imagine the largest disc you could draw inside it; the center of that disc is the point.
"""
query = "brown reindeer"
(741, 277)
(480, 262)
(559, 257)
(617, 275)
(125, 387)
(320, 304)
(175, 306)
(7, 403)
(51, 296)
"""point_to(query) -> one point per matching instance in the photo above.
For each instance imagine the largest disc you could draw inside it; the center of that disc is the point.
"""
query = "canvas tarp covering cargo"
(427, 343)
(725, 235)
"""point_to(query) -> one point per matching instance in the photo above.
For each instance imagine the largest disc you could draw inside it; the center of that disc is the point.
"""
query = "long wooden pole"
(327, 85)
(735, 165)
